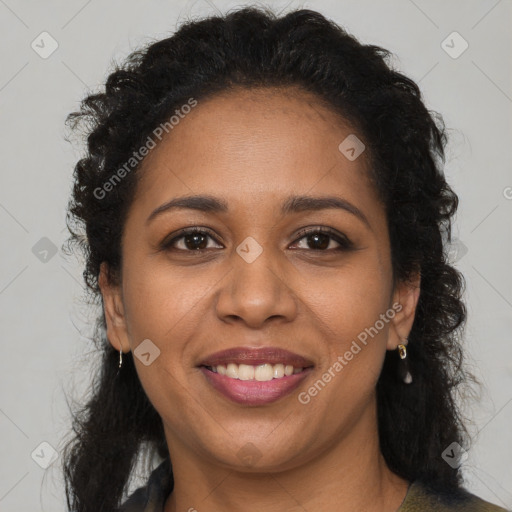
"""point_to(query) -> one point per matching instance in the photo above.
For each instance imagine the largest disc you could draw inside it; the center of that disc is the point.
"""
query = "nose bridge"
(255, 289)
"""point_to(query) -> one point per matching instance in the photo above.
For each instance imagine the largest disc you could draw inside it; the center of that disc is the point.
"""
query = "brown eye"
(322, 240)
(192, 240)
(195, 241)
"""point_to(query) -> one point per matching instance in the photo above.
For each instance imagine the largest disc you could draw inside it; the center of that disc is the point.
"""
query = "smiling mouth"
(255, 376)
(261, 372)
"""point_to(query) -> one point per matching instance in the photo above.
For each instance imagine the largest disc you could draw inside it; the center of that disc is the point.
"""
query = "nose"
(256, 291)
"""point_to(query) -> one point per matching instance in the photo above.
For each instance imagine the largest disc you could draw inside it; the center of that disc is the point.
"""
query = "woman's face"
(258, 282)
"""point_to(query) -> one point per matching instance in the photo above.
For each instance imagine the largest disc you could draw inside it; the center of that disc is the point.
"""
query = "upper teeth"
(259, 372)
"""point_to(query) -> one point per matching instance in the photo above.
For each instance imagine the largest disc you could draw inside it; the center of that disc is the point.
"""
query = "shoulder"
(421, 498)
(152, 496)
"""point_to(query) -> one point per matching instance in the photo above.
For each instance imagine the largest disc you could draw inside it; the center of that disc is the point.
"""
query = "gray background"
(44, 326)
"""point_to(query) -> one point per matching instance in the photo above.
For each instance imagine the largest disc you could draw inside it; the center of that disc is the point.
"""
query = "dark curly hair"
(253, 47)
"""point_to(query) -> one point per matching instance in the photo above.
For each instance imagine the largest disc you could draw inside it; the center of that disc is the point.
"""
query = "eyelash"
(344, 243)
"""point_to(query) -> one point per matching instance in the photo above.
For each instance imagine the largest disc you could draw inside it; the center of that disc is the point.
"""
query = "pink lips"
(253, 392)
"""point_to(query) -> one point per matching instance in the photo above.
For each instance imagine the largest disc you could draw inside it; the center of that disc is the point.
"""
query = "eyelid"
(340, 238)
(170, 239)
(320, 229)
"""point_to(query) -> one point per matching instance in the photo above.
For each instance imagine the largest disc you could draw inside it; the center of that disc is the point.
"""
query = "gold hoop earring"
(403, 367)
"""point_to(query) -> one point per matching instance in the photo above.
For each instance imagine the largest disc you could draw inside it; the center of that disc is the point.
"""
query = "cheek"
(353, 315)
(160, 299)
(349, 299)
(162, 304)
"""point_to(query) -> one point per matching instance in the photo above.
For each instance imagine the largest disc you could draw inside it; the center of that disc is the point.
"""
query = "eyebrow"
(293, 204)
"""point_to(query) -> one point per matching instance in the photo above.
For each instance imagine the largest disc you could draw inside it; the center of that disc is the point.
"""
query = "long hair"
(253, 47)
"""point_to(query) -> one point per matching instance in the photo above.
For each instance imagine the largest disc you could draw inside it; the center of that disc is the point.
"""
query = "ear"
(117, 333)
(405, 300)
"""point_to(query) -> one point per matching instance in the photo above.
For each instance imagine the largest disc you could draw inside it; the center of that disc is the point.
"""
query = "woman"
(266, 218)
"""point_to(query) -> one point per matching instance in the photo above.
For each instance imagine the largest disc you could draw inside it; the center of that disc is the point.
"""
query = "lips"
(254, 392)
(255, 356)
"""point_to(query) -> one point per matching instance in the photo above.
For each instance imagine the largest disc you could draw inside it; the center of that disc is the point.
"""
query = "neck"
(348, 475)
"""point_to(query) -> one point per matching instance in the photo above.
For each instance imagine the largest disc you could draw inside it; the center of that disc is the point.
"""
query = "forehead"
(253, 147)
